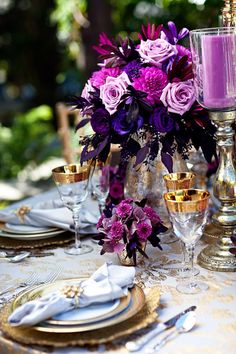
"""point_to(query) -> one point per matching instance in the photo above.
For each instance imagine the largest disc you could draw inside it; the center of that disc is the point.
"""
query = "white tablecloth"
(216, 308)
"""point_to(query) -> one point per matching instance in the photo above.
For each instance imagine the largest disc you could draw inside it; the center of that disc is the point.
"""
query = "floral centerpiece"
(127, 227)
(142, 97)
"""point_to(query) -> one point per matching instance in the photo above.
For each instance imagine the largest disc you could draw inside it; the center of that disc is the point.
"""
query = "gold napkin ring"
(21, 212)
(73, 292)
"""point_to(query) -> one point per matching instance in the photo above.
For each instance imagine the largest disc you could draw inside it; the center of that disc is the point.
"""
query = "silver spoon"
(19, 257)
(184, 324)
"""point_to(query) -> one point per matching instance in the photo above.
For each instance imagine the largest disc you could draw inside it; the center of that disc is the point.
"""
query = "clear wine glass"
(188, 214)
(175, 181)
(72, 182)
(100, 182)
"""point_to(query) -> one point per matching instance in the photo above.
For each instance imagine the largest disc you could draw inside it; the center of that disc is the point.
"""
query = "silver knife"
(133, 346)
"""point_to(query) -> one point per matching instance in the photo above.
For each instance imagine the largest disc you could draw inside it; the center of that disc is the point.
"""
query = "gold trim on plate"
(146, 316)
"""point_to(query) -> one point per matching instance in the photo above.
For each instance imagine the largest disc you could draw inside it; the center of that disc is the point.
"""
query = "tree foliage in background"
(31, 138)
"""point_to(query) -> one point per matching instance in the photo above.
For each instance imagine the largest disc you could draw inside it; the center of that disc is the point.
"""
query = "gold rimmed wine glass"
(179, 180)
(174, 181)
(188, 214)
(72, 183)
(100, 182)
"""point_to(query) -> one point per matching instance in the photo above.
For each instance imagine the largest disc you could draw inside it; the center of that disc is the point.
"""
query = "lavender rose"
(161, 120)
(100, 121)
(112, 91)
(178, 97)
(156, 52)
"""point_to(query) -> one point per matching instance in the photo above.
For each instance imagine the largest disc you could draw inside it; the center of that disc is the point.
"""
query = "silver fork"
(33, 280)
(28, 282)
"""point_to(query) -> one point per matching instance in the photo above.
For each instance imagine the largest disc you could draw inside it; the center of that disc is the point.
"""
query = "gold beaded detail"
(73, 292)
(21, 212)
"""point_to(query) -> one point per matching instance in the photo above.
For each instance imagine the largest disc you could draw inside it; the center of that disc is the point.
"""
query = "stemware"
(100, 182)
(175, 181)
(188, 214)
(72, 183)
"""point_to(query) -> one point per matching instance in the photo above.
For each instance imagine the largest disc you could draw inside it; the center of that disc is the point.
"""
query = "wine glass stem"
(101, 206)
(76, 219)
(189, 262)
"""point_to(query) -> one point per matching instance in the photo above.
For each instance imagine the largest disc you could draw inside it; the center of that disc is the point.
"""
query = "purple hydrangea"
(151, 81)
(132, 69)
(152, 215)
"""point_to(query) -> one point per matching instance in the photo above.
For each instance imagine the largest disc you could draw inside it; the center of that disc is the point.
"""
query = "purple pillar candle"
(219, 71)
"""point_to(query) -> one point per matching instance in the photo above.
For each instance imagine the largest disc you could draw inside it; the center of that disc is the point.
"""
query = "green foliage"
(30, 138)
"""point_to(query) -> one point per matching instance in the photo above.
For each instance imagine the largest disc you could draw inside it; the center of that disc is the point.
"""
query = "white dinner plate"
(27, 229)
(30, 237)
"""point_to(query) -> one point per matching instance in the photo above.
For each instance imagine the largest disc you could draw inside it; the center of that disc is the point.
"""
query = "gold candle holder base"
(217, 256)
(211, 233)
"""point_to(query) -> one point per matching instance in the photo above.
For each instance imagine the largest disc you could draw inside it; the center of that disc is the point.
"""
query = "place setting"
(107, 306)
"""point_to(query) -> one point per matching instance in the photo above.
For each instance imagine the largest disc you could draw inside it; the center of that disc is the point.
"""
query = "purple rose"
(156, 52)
(178, 97)
(121, 126)
(101, 121)
(112, 91)
(161, 120)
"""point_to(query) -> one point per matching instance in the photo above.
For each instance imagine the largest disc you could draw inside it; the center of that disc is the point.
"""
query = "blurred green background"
(46, 56)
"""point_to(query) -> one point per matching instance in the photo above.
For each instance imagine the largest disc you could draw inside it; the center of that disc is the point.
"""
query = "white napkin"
(47, 210)
(108, 283)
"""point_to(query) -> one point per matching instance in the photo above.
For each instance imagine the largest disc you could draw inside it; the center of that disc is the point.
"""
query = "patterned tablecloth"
(216, 308)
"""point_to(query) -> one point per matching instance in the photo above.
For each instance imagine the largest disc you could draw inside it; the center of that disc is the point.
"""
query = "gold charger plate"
(146, 316)
(10, 243)
(43, 290)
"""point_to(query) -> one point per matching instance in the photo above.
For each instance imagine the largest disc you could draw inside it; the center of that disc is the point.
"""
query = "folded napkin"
(108, 283)
(48, 210)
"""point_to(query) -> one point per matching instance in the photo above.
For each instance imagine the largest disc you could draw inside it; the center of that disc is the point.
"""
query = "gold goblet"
(72, 182)
(175, 181)
(179, 180)
(188, 214)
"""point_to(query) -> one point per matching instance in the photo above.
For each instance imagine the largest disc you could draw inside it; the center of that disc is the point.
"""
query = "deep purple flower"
(144, 229)
(99, 77)
(161, 120)
(101, 121)
(122, 127)
(151, 81)
(116, 190)
(171, 35)
(132, 69)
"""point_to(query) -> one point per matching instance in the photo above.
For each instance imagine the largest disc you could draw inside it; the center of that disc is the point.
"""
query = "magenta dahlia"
(151, 81)
(99, 77)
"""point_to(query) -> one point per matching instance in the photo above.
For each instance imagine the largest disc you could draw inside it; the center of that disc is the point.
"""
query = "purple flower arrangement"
(127, 226)
(143, 92)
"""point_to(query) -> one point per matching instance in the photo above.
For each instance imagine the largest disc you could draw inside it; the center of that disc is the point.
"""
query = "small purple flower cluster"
(144, 89)
(127, 226)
